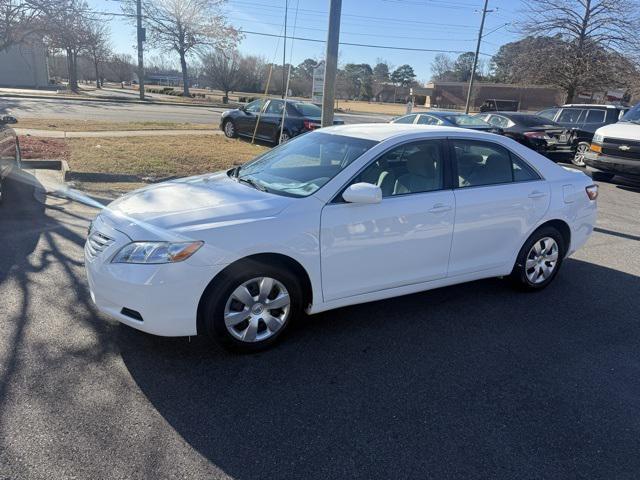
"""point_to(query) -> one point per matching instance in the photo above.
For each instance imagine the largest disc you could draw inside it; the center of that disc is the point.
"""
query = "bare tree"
(588, 28)
(186, 27)
(121, 67)
(20, 19)
(97, 47)
(222, 70)
(442, 67)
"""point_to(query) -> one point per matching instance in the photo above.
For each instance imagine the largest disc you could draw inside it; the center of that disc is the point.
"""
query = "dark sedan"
(300, 117)
(9, 150)
(538, 133)
(448, 119)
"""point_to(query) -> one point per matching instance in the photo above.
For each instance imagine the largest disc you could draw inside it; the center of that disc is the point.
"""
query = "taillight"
(309, 125)
(540, 135)
(592, 192)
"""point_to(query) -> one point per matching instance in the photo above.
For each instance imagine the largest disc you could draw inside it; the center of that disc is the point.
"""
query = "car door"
(404, 239)
(246, 119)
(499, 198)
(269, 127)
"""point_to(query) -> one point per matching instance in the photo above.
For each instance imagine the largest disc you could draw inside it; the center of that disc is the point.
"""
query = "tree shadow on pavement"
(469, 381)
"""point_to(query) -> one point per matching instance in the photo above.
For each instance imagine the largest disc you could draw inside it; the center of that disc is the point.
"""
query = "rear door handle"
(537, 194)
(440, 208)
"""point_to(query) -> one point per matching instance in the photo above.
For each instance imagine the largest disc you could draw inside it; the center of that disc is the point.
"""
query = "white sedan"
(335, 217)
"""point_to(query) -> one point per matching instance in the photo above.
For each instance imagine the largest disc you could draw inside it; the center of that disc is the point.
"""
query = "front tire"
(539, 260)
(229, 129)
(250, 307)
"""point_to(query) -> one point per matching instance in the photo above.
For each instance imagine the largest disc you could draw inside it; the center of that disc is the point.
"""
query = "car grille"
(617, 147)
(96, 243)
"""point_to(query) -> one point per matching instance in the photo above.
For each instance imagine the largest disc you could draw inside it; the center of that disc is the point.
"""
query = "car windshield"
(632, 115)
(532, 120)
(301, 166)
(308, 109)
(467, 121)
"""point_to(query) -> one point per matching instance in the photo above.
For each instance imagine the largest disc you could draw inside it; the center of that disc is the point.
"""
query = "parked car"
(582, 120)
(615, 148)
(336, 217)
(495, 105)
(447, 119)
(9, 150)
(300, 117)
(537, 133)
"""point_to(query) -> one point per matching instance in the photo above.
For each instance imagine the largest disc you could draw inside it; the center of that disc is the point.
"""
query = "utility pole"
(331, 63)
(141, 39)
(284, 48)
(475, 58)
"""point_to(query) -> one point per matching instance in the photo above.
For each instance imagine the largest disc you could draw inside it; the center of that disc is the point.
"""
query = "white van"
(615, 148)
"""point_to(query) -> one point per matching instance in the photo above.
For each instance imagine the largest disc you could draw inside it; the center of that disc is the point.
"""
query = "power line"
(366, 45)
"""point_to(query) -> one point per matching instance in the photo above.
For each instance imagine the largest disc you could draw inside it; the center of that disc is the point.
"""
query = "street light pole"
(141, 39)
(475, 57)
(284, 49)
(331, 63)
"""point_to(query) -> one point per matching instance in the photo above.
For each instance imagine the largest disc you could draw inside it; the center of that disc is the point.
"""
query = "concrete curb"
(113, 133)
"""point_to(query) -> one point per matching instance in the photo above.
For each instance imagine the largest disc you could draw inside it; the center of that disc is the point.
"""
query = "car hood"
(621, 130)
(171, 210)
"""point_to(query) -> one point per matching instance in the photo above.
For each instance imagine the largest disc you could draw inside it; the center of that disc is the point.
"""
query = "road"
(470, 381)
(131, 112)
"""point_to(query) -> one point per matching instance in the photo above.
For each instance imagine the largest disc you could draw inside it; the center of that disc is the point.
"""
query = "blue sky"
(426, 24)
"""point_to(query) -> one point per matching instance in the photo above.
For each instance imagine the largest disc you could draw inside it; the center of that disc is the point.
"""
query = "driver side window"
(411, 168)
(254, 107)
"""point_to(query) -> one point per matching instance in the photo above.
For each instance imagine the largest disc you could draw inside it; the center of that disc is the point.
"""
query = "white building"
(24, 66)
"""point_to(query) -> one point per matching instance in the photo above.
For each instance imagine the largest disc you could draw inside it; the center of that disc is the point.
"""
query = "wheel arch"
(278, 259)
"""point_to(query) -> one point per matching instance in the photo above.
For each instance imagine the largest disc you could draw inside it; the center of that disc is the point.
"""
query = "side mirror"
(9, 120)
(241, 108)
(364, 193)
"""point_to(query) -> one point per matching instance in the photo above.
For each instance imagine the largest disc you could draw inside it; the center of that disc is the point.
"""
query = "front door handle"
(440, 208)
(537, 194)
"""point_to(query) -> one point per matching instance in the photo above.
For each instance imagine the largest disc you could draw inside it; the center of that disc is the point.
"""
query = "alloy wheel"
(541, 260)
(284, 137)
(578, 158)
(257, 309)
(229, 129)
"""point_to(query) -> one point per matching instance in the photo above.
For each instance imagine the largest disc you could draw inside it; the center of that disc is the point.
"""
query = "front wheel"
(581, 150)
(229, 129)
(539, 259)
(251, 307)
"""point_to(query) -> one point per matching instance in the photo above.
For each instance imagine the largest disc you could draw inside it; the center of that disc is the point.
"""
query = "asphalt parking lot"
(471, 381)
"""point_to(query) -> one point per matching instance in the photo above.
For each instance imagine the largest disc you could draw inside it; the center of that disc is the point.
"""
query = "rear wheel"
(229, 129)
(250, 308)
(285, 137)
(539, 259)
(581, 150)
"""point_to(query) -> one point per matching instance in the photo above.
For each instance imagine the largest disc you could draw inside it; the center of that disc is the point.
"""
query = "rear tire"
(539, 260)
(236, 312)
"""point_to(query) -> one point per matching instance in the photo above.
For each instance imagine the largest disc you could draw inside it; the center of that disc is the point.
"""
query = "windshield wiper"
(252, 183)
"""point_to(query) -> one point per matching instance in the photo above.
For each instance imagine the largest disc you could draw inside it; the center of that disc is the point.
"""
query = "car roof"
(590, 105)
(384, 131)
(443, 113)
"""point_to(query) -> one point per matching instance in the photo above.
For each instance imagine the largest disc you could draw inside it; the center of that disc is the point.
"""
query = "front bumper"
(165, 296)
(614, 165)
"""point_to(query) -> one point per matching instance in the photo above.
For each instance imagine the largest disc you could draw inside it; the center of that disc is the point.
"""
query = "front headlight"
(156, 252)
(598, 138)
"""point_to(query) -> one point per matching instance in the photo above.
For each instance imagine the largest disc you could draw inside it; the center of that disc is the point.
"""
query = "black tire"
(578, 156)
(287, 136)
(229, 129)
(519, 276)
(602, 176)
(216, 297)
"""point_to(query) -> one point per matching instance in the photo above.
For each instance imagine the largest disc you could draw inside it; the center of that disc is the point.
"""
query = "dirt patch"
(43, 148)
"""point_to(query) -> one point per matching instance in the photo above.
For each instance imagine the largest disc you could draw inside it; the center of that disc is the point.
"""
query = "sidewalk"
(112, 133)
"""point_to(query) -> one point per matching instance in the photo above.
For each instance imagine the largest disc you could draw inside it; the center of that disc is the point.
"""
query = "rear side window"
(484, 163)
(549, 113)
(429, 120)
(595, 116)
